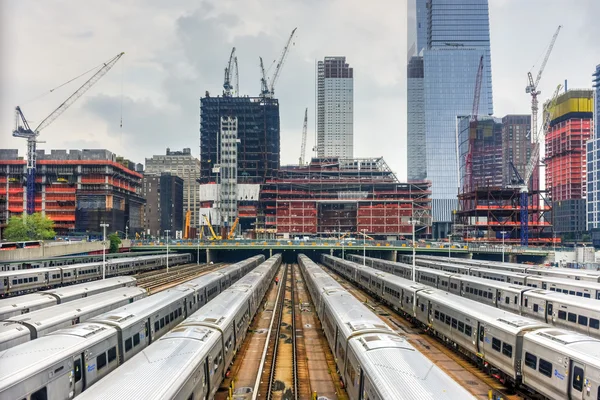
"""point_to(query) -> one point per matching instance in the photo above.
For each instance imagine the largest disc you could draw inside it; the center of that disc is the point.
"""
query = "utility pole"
(104, 226)
(198, 254)
(167, 232)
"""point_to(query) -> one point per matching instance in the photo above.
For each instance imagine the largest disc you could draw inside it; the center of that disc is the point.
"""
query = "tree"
(115, 241)
(29, 227)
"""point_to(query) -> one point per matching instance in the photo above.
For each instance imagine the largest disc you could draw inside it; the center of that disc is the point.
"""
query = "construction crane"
(227, 86)
(210, 227)
(268, 86)
(23, 130)
(532, 87)
(186, 228)
(304, 129)
(522, 182)
(231, 233)
(468, 185)
(237, 76)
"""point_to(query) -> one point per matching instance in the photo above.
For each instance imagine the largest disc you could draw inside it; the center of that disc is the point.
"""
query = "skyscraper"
(335, 108)
(457, 35)
(593, 167)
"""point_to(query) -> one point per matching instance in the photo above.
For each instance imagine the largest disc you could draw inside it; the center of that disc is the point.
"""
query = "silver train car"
(70, 360)
(544, 360)
(373, 361)
(580, 314)
(29, 280)
(23, 328)
(18, 305)
(190, 362)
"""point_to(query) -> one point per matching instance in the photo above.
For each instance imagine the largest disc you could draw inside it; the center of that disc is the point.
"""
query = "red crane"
(468, 185)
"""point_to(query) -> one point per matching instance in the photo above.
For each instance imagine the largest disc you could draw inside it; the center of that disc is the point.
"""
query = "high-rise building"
(335, 108)
(184, 165)
(164, 204)
(570, 128)
(457, 36)
(77, 189)
(516, 148)
(593, 167)
(258, 137)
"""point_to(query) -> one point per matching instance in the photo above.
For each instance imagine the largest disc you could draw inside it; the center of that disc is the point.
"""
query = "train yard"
(326, 328)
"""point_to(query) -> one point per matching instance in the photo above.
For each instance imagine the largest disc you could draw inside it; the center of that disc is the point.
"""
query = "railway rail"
(155, 282)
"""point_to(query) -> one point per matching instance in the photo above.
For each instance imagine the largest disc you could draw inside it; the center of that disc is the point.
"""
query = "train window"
(572, 292)
(572, 317)
(442, 316)
(530, 360)
(579, 294)
(112, 354)
(481, 333)
(516, 300)
(582, 320)
(545, 368)
(162, 323)
(180, 312)
(526, 301)
(448, 319)
(594, 323)
(496, 344)
(101, 361)
(20, 281)
(171, 316)
(77, 369)
(454, 323)
(587, 295)
(507, 350)
(535, 308)
(480, 292)
(577, 378)
(552, 289)
(136, 339)
(468, 330)
(507, 300)
(41, 394)
(128, 344)
(562, 315)
(436, 314)
(156, 326)
(461, 326)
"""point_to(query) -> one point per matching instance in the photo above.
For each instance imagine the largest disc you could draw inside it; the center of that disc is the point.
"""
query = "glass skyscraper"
(451, 36)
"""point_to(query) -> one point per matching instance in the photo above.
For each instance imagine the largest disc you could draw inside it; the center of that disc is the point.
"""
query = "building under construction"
(77, 189)
(258, 145)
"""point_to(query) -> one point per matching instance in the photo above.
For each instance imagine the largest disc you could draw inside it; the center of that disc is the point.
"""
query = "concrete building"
(457, 36)
(77, 189)
(593, 167)
(516, 147)
(184, 165)
(164, 204)
(570, 128)
(335, 108)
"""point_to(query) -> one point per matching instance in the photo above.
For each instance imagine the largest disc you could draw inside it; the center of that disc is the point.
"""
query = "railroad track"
(164, 280)
(279, 374)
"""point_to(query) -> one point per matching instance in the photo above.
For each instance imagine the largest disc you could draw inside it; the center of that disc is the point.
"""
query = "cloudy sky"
(177, 49)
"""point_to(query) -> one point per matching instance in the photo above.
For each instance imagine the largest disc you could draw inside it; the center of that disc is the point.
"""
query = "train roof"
(12, 330)
(491, 283)
(574, 345)
(9, 274)
(23, 361)
(221, 310)
(11, 304)
(398, 371)
(567, 299)
(160, 370)
(396, 280)
(64, 312)
(566, 281)
(72, 290)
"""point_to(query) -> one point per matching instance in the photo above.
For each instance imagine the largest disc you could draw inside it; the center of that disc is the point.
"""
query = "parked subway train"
(66, 362)
(23, 281)
(191, 361)
(17, 305)
(550, 361)
(373, 361)
(558, 309)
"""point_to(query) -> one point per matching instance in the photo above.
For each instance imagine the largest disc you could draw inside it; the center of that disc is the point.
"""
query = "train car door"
(578, 382)
(77, 383)
(549, 311)
(481, 337)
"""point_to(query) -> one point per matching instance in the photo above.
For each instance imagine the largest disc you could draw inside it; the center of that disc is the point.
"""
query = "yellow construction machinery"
(231, 234)
(212, 231)
(186, 228)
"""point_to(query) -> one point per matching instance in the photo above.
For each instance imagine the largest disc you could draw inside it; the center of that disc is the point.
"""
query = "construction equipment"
(468, 184)
(22, 129)
(212, 231)
(268, 86)
(231, 233)
(237, 76)
(304, 129)
(186, 228)
(227, 87)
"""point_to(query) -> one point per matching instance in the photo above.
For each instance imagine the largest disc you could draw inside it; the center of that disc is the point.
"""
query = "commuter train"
(579, 314)
(191, 361)
(12, 306)
(553, 362)
(66, 362)
(28, 280)
(373, 361)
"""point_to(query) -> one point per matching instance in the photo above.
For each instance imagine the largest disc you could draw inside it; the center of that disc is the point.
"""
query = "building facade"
(164, 204)
(516, 147)
(258, 137)
(570, 127)
(184, 165)
(593, 167)
(458, 36)
(77, 189)
(335, 108)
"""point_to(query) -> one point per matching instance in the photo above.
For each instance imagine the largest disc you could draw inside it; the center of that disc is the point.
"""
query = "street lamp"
(414, 222)
(503, 233)
(167, 233)
(126, 231)
(198, 255)
(364, 247)
(104, 226)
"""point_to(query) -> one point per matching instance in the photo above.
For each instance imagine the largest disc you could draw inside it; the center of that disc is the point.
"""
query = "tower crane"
(23, 130)
(473, 129)
(237, 77)
(268, 86)
(304, 129)
(227, 86)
